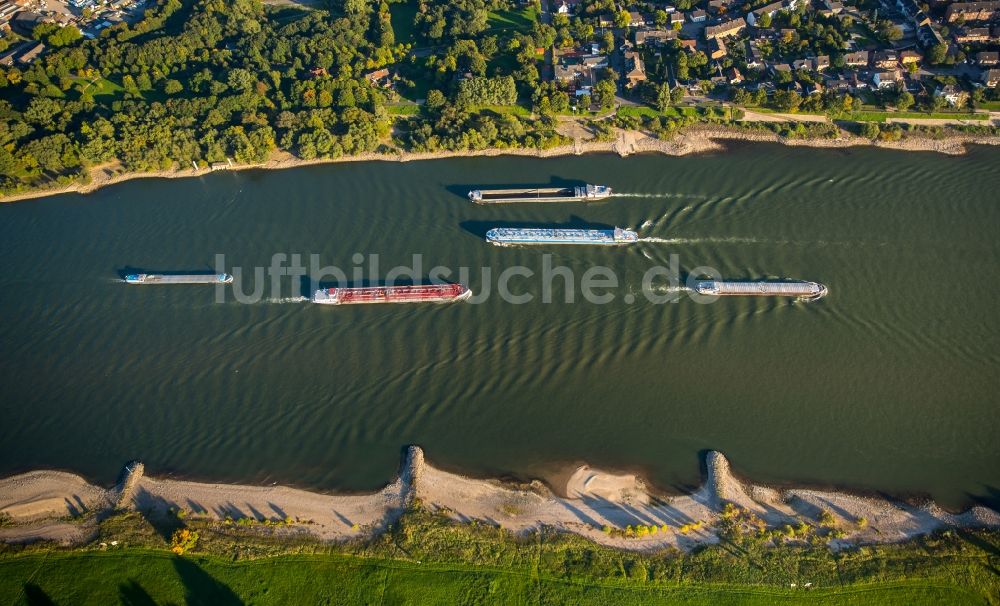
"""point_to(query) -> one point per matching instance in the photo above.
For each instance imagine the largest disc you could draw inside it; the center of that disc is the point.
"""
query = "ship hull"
(448, 293)
(146, 279)
(584, 193)
(506, 236)
(803, 291)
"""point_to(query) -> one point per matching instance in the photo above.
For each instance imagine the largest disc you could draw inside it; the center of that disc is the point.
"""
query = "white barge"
(508, 236)
(805, 291)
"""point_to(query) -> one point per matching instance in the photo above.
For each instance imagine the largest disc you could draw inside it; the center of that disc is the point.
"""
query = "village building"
(725, 29)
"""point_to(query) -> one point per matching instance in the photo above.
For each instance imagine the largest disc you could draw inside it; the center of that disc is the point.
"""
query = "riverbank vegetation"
(427, 558)
(197, 82)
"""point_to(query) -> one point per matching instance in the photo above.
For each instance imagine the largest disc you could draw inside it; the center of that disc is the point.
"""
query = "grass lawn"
(521, 19)
(517, 110)
(155, 577)
(878, 116)
(993, 106)
(403, 109)
(101, 87)
(672, 112)
(402, 16)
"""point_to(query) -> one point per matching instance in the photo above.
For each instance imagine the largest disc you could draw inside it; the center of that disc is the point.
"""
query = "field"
(150, 577)
(522, 20)
(426, 559)
(877, 116)
(402, 16)
(672, 112)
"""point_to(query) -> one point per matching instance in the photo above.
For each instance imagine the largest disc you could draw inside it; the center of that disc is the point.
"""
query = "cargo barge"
(431, 293)
(579, 193)
(509, 236)
(178, 279)
(805, 291)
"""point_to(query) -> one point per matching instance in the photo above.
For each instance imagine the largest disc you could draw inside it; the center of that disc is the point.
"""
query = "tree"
(765, 21)
(604, 93)
(870, 130)
(240, 79)
(937, 54)
(663, 98)
(435, 99)
(904, 101)
(172, 87)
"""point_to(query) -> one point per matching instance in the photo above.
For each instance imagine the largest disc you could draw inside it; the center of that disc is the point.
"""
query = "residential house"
(887, 79)
(755, 58)
(725, 29)
(654, 36)
(379, 77)
(31, 54)
(839, 85)
(770, 10)
(987, 58)
(636, 19)
(567, 7)
(885, 59)
(805, 64)
(689, 45)
(717, 49)
(635, 71)
(953, 95)
(972, 11)
(990, 77)
(971, 34)
(910, 56)
(928, 36)
(832, 7)
(25, 22)
(697, 16)
(780, 67)
(821, 63)
(718, 7)
(676, 19)
(733, 76)
(857, 59)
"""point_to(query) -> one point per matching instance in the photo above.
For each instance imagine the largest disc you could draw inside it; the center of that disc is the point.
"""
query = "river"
(890, 383)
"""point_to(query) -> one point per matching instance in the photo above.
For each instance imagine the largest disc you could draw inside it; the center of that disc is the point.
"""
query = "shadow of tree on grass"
(201, 589)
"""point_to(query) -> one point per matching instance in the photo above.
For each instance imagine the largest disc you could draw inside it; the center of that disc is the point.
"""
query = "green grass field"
(672, 112)
(427, 559)
(403, 109)
(877, 116)
(402, 16)
(153, 577)
(100, 87)
(522, 20)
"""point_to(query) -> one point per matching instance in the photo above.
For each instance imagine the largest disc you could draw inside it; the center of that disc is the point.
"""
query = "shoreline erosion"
(692, 141)
(604, 507)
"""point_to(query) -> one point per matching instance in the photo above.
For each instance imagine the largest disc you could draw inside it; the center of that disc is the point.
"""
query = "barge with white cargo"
(801, 290)
(579, 193)
(511, 236)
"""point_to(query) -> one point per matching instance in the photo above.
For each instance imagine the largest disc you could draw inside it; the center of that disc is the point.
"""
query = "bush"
(183, 540)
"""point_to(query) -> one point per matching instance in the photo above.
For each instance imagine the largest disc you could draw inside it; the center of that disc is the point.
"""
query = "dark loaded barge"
(431, 293)
(579, 193)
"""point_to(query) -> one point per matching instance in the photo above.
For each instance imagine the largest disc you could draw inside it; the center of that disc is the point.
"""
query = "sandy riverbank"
(697, 139)
(40, 506)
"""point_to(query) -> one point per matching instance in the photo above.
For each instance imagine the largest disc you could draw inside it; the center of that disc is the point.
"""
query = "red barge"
(430, 293)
